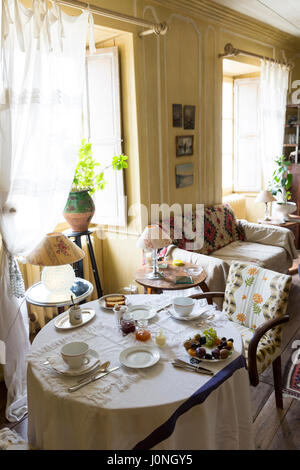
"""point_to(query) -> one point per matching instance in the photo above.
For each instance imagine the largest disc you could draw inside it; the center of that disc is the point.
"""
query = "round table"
(123, 408)
(156, 286)
(39, 295)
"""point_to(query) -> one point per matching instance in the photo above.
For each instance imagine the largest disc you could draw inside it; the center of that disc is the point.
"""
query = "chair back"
(254, 295)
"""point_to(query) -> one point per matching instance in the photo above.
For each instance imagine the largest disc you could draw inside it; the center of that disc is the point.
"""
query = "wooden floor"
(274, 429)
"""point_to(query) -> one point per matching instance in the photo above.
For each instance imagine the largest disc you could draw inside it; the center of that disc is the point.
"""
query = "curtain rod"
(230, 51)
(153, 28)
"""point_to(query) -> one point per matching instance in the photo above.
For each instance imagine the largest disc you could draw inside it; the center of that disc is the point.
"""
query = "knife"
(192, 369)
(194, 366)
(92, 379)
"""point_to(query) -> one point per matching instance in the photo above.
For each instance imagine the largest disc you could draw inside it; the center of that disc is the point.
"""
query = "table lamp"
(154, 238)
(55, 252)
(265, 196)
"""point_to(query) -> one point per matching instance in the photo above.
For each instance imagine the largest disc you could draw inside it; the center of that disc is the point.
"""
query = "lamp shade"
(265, 196)
(153, 238)
(54, 250)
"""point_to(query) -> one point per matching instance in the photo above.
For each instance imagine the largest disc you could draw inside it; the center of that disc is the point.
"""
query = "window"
(247, 169)
(103, 129)
(241, 135)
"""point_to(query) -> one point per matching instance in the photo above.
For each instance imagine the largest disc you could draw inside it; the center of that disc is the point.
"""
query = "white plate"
(141, 312)
(211, 361)
(58, 364)
(103, 304)
(139, 357)
(62, 322)
(194, 315)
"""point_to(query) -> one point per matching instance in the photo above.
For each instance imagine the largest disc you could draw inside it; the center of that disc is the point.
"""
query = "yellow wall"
(180, 67)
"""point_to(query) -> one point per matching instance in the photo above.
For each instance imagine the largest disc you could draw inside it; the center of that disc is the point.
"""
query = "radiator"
(238, 204)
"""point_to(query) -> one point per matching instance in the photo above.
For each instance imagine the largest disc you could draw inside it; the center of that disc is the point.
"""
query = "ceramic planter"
(79, 210)
(283, 209)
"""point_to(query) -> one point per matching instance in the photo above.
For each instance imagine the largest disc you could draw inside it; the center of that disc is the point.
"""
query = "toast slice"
(113, 300)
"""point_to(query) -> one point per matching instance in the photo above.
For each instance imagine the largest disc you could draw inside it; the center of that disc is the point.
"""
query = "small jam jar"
(127, 323)
(142, 332)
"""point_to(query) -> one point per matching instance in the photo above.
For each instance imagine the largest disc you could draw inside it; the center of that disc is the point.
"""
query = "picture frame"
(177, 115)
(184, 145)
(189, 113)
(184, 175)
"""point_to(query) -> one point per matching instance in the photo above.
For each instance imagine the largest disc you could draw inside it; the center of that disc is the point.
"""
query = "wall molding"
(159, 107)
(221, 15)
(199, 135)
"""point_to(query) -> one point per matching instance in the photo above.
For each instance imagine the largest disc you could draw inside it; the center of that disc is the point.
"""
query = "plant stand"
(78, 267)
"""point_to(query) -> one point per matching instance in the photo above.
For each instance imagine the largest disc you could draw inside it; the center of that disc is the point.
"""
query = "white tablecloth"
(122, 409)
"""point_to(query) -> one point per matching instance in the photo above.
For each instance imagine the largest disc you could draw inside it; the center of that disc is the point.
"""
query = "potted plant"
(80, 206)
(280, 187)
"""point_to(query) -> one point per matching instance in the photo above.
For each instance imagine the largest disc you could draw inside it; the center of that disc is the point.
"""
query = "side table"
(38, 295)
(156, 286)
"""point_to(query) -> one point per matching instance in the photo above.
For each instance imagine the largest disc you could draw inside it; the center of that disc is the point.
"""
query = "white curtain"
(274, 83)
(41, 90)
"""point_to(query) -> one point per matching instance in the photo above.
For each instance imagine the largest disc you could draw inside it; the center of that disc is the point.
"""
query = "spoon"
(101, 368)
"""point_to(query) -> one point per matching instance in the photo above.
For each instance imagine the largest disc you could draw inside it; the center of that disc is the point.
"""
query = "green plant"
(86, 176)
(282, 179)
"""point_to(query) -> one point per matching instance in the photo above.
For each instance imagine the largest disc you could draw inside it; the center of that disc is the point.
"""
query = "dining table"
(160, 407)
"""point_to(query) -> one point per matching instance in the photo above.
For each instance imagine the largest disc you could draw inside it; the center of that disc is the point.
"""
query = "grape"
(208, 356)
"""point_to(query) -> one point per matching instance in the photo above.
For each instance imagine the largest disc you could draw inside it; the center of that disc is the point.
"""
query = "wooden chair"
(255, 299)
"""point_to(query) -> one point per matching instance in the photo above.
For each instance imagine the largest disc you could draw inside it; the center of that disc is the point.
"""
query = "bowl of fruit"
(209, 347)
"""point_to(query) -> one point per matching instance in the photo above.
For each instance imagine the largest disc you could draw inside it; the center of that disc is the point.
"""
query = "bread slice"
(113, 300)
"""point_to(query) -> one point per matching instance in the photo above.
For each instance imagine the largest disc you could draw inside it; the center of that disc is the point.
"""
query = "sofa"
(227, 239)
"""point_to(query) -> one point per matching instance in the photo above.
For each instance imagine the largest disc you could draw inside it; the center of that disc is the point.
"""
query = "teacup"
(183, 305)
(74, 354)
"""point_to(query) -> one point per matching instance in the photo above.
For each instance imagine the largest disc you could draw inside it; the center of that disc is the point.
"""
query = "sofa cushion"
(267, 256)
(220, 228)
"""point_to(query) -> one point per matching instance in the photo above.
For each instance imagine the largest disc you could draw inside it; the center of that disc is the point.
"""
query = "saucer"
(58, 364)
(62, 322)
(194, 315)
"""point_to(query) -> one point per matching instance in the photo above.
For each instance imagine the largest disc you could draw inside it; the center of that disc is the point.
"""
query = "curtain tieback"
(16, 283)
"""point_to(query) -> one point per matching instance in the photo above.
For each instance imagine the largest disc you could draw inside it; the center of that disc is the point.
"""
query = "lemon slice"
(178, 262)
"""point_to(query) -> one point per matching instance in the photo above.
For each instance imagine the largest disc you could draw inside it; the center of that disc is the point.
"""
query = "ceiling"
(281, 14)
(233, 68)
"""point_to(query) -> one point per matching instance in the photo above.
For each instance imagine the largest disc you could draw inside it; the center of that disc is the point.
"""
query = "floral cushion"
(220, 229)
(253, 296)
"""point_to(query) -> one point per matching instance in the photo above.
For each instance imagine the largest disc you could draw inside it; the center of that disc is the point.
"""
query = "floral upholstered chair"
(255, 300)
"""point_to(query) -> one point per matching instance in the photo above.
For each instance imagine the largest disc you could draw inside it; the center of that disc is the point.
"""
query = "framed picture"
(177, 115)
(189, 117)
(184, 145)
(184, 175)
